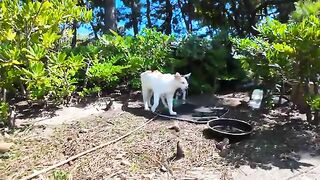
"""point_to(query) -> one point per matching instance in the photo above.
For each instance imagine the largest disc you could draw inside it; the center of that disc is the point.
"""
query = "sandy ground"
(279, 148)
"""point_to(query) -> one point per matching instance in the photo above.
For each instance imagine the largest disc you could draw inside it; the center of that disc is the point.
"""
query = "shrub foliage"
(293, 48)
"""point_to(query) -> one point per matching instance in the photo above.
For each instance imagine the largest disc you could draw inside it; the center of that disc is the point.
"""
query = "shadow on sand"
(275, 141)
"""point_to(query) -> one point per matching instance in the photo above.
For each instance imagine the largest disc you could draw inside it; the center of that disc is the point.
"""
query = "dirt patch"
(278, 143)
(144, 154)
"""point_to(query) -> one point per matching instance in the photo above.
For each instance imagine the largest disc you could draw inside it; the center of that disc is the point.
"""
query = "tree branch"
(270, 2)
(264, 5)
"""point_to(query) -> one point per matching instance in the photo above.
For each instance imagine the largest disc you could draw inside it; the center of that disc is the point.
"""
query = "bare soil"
(284, 146)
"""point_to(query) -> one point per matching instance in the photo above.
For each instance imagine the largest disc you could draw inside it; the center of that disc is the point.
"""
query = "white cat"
(161, 85)
(180, 93)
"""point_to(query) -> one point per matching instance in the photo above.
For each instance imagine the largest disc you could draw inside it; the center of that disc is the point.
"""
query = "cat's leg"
(145, 96)
(156, 98)
(170, 104)
(184, 94)
(164, 101)
(150, 92)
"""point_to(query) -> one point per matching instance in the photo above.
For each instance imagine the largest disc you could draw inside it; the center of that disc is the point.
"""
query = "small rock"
(119, 156)
(148, 176)
(266, 166)
(83, 130)
(122, 176)
(223, 153)
(222, 145)
(6, 135)
(237, 165)
(175, 127)
(41, 127)
(163, 169)
(125, 162)
(108, 104)
(253, 165)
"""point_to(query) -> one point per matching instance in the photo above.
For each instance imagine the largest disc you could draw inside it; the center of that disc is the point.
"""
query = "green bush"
(292, 48)
(31, 47)
(62, 70)
(148, 50)
(105, 73)
(208, 60)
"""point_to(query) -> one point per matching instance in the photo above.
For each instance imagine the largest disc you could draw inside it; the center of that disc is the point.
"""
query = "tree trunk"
(235, 20)
(94, 29)
(23, 89)
(184, 16)
(134, 15)
(251, 17)
(308, 108)
(284, 10)
(282, 89)
(148, 14)
(74, 38)
(191, 15)
(110, 15)
(316, 119)
(168, 19)
(4, 95)
(266, 4)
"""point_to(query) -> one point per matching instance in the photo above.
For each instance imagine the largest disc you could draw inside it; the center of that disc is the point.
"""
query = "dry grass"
(139, 156)
(145, 154)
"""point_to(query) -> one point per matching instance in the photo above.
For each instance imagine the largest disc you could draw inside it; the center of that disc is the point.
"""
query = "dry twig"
(303, 172)
(86, 152)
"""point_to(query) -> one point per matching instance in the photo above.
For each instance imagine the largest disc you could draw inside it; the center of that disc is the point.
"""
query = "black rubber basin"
(233, 129)
(194, 113)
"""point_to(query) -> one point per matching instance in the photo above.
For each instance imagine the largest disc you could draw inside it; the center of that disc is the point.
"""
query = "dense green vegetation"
(43, 59)
(33, 41)
(287, 51)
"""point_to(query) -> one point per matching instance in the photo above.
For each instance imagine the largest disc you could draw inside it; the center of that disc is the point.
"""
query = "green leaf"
(10, 34)
(10, 63)
(49, 38)
(35, 53)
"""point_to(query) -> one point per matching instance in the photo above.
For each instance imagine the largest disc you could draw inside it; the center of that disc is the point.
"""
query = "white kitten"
(161, 85)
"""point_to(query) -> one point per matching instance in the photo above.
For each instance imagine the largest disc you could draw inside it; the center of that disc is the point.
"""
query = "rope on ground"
(86, 152)
(182, 119)
(195, 119)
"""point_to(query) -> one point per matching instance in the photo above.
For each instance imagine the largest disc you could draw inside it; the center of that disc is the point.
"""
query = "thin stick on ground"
(86, 152)
(303, 172)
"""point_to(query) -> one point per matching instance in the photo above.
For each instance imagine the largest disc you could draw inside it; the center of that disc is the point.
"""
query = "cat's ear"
(187, 75)
(177, 75)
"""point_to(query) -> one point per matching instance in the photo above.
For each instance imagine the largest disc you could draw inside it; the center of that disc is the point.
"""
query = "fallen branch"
(180, 152)
(86, 152)
(178, 155)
